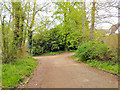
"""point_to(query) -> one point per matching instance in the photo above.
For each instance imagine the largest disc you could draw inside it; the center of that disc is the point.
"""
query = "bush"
(14, 73)
(52, 41)
(93, 50)
(37, 50)
(97, 54)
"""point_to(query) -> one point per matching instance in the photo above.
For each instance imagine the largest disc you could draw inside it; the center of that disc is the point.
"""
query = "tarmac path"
(60, 71)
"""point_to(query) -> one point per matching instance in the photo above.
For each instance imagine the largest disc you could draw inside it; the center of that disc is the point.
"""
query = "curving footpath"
(60, 71)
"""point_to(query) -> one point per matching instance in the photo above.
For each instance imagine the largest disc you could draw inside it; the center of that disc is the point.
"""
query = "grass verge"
(108, 66)
(58, 52)
(14, 73)
(102, 65)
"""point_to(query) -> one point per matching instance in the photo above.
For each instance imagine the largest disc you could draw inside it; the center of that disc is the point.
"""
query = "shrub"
(37, 50)
(54, 47)
(14, 73)
(93, 50)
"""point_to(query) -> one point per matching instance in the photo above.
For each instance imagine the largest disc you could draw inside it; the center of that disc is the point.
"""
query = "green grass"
(102, 65)
(12, 73)
(58, 52)
(73, 57)
(0, 72)
(106, 65)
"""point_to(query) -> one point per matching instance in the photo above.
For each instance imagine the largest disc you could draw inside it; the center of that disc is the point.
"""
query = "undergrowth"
(58, 52)
(14, 73)
(97, 54)
(109, 66)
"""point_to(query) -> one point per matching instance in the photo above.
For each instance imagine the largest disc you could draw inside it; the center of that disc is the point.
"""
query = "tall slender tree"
(92, 19)
(4, 58)
(83, 18)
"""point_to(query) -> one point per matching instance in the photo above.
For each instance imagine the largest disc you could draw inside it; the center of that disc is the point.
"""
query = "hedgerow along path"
(60, 71)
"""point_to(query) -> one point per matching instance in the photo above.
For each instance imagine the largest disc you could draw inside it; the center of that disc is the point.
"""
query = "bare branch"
(104, 22)
(41, 8)
(8, 9)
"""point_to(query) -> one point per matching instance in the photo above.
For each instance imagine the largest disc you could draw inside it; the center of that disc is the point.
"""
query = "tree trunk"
(19, 28)
(119, 48)
(21, 40)
(92, 20)
(4, 55)
(30, 34)
(83, 18)
(17, 23)
(66, 49)
(16, 9)
(83, 22)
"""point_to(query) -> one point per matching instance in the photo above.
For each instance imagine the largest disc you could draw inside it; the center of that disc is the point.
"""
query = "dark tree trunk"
(65, 22)
(66, 48)
(21, 40)
(30, 34)
(18, 29)
(16, 7)
(21, 30)
(17, 23)
(4, 46)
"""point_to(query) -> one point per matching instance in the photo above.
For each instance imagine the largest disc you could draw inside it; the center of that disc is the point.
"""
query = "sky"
(114, 11)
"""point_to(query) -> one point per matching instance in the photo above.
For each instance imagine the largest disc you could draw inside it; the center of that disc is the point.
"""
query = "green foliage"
(93, 50)
(109, 66)
(58, 52)
(65, 36)
(13, 32)
(7, 45)
(97, 54)
(53, 53)
(51, 41)
(45, 42)
(71, 27)
(54, 47)
(13, 72)
(73, 57)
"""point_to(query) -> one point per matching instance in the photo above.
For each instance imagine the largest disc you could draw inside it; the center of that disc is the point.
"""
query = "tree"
(92, 20)
(17, 15)
(71, 16)
(16, 8)
(22, 25)
(83, 18)
(30, 31)
(4, 51)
